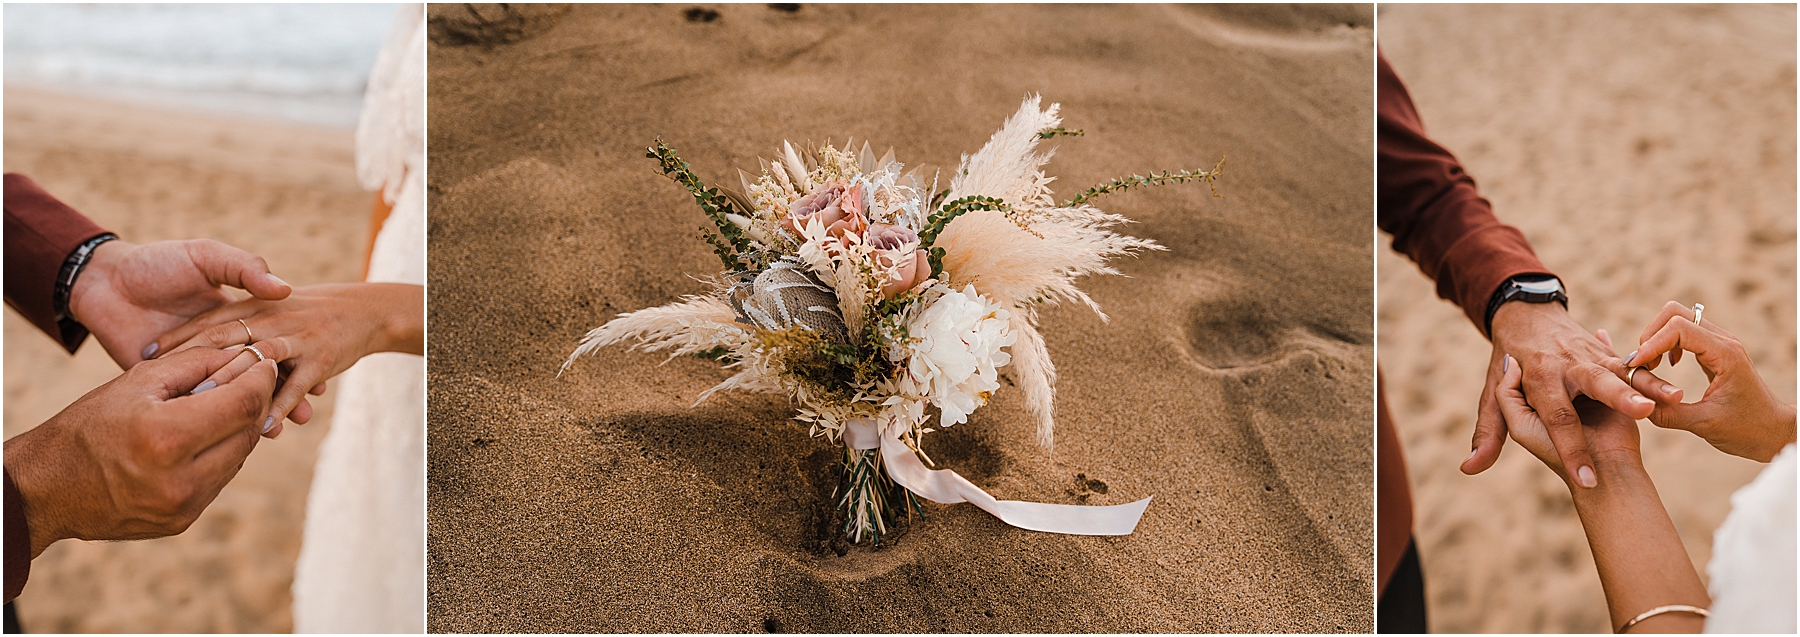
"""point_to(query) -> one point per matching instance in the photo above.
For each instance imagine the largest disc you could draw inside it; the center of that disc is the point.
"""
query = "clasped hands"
(1566, 398)
(144, 454)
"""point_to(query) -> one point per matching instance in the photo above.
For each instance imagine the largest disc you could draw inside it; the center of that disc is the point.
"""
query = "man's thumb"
(226, 265)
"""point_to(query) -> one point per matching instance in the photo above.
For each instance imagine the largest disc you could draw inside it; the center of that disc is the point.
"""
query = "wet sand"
(1648, 154)
(286, 192)
(1234, 382)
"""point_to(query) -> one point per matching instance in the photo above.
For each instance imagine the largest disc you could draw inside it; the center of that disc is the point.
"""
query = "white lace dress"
(1752, 568)
(362, 559)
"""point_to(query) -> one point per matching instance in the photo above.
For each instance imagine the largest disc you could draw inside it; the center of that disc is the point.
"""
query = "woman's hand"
(316, 333)
(1609, 433)
(129, 293)
(1738, 414)
(1637, 553)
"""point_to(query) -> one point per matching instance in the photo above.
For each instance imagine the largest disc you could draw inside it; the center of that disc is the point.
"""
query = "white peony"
(954, 346)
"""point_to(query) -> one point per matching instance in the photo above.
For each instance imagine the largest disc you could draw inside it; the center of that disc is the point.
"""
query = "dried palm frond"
(695, 324)
(1008, 167)
(751, 378)
(1035, 375)
(1016, 265)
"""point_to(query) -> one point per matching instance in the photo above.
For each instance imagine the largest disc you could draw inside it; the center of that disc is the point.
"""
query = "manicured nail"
(1630, 356)
(268, 424)
(278, 281)
(205, 386)
(149, 350)
(1505, 364)
(1585, 476)
(1640, 400)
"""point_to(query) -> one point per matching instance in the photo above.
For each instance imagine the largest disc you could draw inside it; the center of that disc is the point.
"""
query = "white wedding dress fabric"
(362, 558)
(1752, 569)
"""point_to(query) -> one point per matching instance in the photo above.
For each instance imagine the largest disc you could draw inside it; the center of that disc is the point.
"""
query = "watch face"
(1545, 286)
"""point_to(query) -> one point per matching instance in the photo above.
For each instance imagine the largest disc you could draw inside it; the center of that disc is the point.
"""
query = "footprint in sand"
(1237, 333)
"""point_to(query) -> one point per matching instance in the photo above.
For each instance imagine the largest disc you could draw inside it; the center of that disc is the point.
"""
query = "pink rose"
(896, 247)
(840, 209)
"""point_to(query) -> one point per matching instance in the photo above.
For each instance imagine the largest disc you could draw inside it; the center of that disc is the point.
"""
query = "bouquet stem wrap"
(946, 487)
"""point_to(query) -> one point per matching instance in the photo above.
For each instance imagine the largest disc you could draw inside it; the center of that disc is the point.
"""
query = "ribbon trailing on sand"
(945, 487)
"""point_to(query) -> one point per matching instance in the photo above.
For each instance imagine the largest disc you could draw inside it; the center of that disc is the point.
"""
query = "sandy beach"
(1233, 383)
(286, 192)
(1648, 154)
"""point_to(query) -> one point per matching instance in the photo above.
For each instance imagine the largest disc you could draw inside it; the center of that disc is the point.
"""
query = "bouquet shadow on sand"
(782, 485)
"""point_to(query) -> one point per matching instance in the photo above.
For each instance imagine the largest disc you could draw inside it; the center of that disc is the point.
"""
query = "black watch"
(1530, 288)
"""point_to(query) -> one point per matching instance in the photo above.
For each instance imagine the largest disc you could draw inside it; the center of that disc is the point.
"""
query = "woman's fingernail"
(1630, 356)
(1471, 454)
(1505, 364)
(205, 386)
(1640, 400)
(1669, 390)
(149, 350)
(268, 424)
(278, 281)
(1585, 476)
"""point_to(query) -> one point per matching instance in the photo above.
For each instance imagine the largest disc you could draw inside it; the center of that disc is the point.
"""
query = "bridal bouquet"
(869, 297)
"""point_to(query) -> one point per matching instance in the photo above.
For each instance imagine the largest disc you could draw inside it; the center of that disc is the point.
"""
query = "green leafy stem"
(731, 244)
(934, 225)
(1154, 179)
(1059, 132)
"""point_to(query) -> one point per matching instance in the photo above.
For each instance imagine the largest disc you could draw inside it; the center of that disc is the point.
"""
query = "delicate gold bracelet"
(1672, 608)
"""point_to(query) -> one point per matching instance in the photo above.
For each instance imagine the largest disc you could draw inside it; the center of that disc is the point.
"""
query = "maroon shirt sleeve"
(18, 542)
(1432, 210)
(40, 234)
(1430, 206)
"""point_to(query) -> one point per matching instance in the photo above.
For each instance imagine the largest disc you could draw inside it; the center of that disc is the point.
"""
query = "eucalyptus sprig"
(734, 249)
(1154, 179)
(934, 225)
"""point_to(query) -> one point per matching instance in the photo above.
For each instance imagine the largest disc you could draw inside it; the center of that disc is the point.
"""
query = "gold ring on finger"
(248, 337)
(257, 352)
(1631, 376)
(1698, 310)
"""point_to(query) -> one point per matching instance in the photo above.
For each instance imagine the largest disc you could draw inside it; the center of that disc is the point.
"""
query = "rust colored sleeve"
(40, 234)
(18, 542)
(1430, 207)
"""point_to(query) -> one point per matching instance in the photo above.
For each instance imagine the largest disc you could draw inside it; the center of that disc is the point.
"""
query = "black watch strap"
(72, 267)
(1530, 288)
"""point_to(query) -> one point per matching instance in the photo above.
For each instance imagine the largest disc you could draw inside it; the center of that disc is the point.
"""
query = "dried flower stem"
(1155, 179)
(866, 493)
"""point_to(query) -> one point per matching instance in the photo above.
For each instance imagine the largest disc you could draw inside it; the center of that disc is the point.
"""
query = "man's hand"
(1609, 433)
(141, 456)
(130, 294)
(1560, 360)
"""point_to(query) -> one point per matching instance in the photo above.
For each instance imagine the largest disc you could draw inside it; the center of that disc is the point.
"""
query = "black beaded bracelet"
(71, 270)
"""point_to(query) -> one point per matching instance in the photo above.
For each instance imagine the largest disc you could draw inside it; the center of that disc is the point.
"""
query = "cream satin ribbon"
(945, 487)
